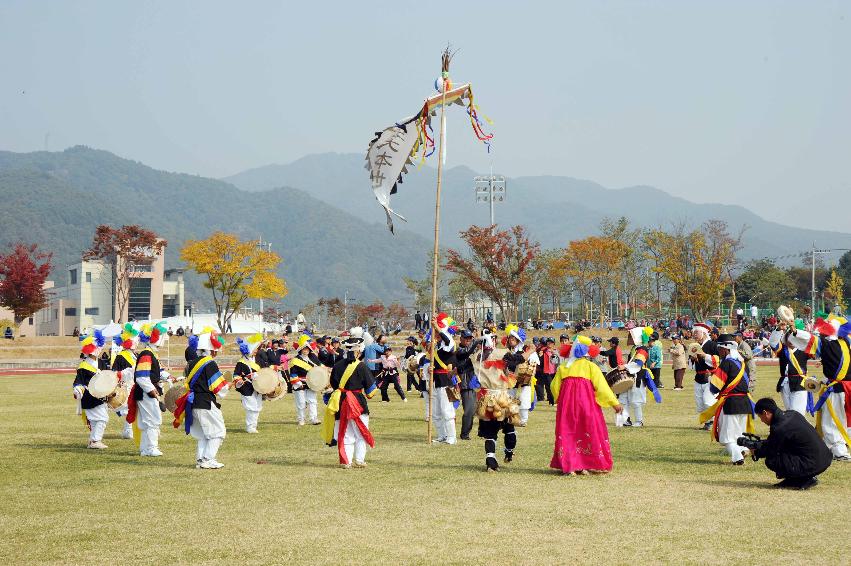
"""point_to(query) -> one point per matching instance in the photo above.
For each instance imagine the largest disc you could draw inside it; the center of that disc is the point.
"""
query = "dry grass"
(670, 498)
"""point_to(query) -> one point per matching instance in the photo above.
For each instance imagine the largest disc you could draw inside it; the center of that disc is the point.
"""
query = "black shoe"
(808, 483)
(739, 462)
(465, 437)
(628, 422)
(508, 457)
(706, 426)
(492, 465)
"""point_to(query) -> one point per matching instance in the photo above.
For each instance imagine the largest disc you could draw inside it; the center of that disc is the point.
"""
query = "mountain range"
(554, 209)
(321, 217)
(56, 199)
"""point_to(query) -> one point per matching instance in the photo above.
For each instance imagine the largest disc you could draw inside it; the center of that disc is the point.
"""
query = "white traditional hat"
(210, 340)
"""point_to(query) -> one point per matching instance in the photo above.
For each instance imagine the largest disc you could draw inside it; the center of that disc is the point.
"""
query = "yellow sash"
(333, 406)
(298, 362)
(86, 365)
(710, 412)
(843, 371)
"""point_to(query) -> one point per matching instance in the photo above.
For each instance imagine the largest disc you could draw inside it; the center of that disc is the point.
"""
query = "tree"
(550, 279)
(835, 288)
(334, 309)
(596, 261)
(844, 271)
(762, 282)
(397, 313)
(125, 250)
(368, 313)
(699, 263)
(498, 265)
(235, 271)
(22, 275)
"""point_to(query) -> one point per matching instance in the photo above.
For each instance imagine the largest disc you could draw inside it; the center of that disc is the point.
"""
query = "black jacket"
(793, 448)
(463, 359)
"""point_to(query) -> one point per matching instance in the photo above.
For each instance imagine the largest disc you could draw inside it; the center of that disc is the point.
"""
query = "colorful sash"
(333, 404)
(183, 412)
(715, 410)
(826, 390)
(794, 361)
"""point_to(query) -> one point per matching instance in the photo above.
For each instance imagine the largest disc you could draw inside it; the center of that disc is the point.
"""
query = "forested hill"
(556, 209)
(56, 199)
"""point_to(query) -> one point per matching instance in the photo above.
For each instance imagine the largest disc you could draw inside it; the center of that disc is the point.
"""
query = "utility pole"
(813, 289)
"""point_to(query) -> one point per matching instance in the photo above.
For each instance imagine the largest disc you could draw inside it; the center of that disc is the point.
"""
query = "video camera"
(752, 442)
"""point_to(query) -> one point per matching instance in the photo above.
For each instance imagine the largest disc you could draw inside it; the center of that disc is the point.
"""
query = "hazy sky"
(738, 102)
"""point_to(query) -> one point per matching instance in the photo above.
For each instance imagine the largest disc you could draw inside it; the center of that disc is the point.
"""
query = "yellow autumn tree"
(593, 264)
(835, 289)
(236, 271)
(698, 263)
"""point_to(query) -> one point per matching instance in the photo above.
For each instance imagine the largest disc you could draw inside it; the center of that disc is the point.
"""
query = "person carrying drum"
(144, 411)
(636, 397)
(443, 410)
(95, 411)
(246, 367)
(124, 365)
(410, 352)
(516, 356)
(199, 408)
(704, 356)
(299, 366)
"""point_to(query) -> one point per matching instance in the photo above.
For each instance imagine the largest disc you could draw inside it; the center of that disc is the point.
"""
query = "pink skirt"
(582, 440)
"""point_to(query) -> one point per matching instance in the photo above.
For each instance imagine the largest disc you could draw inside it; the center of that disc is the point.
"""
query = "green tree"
(765, 284)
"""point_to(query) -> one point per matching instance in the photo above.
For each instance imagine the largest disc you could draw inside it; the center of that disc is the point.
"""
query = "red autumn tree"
(366, 313)
(397, 313)
(498, 263)
(126, 250)
(22, 275)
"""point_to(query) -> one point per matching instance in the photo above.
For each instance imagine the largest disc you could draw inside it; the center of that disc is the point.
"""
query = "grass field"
(281, 499)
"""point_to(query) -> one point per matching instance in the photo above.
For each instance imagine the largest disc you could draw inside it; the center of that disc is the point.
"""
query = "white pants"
(730, 429)
(525, 396)
(443, 415)
(98, 417)
(305, 398)
(354, 442)
(703, 397)
(632, 400)
(794, 400)
(426, 398)
(148, 419)
(831, 435)
(252, 404)
(208, 428)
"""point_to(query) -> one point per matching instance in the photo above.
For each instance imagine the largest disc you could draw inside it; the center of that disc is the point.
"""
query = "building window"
(142, 267)
(88, 276)
(139, 303)
(71, 311)
(73, 274)
(55, 314)
(31, 321)
(95, 311)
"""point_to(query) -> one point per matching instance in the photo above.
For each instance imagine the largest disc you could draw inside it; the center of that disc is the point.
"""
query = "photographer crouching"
(793, 450)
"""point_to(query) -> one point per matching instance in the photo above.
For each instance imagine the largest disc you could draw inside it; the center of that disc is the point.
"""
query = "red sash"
(350, 409)
(846, 385)
(131, 406)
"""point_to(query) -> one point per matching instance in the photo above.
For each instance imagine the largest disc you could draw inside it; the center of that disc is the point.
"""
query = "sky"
(715, 101)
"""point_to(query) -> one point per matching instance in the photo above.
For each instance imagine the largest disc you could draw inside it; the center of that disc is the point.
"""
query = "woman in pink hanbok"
(582, 440)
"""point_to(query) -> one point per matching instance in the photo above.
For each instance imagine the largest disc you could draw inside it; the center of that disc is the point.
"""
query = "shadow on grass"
(743, 484)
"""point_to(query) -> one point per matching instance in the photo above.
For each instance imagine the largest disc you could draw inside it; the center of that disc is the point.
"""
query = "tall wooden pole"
(435, 253)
